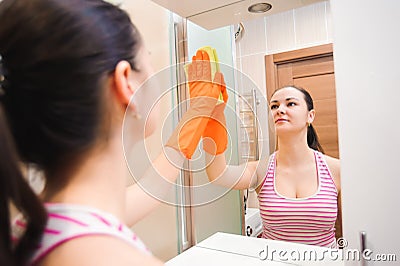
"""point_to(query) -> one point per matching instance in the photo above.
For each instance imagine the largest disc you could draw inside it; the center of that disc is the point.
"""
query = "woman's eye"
(291, 104)
(274, 106)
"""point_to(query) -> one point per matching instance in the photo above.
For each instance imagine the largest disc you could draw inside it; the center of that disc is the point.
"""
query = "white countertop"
(230, 249)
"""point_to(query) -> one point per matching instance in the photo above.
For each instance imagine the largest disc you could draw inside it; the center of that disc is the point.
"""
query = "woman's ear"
(311, 116)
(122, 85)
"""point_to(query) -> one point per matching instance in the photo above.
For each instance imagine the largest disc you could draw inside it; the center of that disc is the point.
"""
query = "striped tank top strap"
(326, 179)
(270, 170)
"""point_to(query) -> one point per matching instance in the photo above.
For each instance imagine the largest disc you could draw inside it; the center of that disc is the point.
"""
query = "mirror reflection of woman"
(298, 186)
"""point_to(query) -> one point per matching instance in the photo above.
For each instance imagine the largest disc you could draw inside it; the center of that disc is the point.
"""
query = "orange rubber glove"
(215, 136)
(203, 99)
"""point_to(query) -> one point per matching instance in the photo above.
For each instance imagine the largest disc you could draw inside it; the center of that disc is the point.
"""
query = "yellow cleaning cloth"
(214, 62)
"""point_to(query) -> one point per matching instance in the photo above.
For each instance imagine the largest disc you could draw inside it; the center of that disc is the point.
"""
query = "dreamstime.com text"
(345, 254)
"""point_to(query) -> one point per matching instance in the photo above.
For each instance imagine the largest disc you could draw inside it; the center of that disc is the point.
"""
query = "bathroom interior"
(354, 57)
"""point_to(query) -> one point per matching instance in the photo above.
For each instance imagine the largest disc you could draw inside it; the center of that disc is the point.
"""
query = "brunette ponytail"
(15, 190)
(312, 139)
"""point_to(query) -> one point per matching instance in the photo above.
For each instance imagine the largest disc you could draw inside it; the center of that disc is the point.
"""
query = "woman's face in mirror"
(289, 111)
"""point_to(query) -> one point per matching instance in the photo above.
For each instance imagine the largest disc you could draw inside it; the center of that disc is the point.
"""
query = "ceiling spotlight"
(259, 8)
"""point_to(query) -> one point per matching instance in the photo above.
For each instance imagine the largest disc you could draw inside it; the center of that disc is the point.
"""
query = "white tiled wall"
(280, 30)
(294, 29)
(291, 30)
(310, 25)
(328, 17)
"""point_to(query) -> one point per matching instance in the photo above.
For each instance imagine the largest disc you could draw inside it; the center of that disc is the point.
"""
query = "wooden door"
(312, 69)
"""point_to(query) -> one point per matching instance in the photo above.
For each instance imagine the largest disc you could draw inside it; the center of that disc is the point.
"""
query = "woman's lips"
(280, 120)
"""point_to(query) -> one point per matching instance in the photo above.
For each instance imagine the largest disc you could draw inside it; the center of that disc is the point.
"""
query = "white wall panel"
(367, 57)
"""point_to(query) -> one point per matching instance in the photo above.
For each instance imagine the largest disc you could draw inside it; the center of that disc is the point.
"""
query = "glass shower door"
(214, 208)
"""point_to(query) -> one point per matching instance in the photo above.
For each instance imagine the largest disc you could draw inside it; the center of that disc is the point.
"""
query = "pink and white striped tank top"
(66, 222)
(308, 220)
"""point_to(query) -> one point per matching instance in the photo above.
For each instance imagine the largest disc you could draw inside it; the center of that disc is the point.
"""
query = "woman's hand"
(215, 136)
(203, 98)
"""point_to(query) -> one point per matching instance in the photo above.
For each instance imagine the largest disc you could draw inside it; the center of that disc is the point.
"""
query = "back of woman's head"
(56, 56)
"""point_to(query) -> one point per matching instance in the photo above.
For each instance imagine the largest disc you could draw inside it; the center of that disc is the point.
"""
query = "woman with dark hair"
(68, 72)
(298, 186)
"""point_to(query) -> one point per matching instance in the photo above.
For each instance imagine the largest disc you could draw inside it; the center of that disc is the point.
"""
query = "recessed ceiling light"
(259, 8)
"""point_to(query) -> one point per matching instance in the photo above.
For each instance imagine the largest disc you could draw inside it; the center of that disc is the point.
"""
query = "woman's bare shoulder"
(98, 251)
(335, 162)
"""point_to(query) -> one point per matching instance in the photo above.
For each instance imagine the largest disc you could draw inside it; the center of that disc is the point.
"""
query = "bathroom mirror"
(288, 48)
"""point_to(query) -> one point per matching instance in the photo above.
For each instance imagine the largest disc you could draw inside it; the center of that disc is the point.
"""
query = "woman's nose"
(280, 110)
